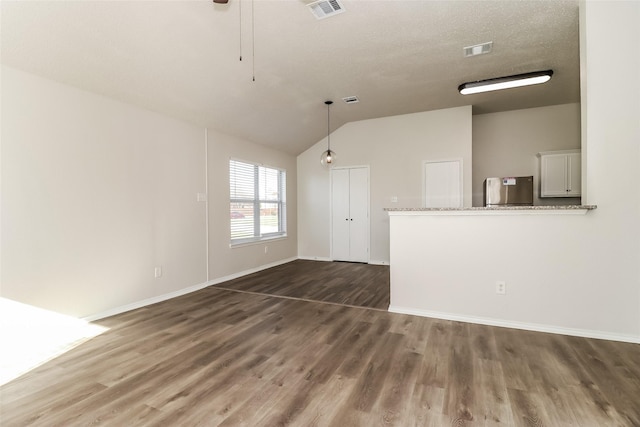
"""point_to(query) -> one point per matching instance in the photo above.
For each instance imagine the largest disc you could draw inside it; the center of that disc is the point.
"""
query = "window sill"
(263, 240)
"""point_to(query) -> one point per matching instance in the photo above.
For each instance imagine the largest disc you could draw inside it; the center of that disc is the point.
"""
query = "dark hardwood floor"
(230, 358)
(352, 284)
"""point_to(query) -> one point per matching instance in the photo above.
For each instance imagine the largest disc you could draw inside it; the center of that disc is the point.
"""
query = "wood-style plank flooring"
(344, 283)
(229, 358)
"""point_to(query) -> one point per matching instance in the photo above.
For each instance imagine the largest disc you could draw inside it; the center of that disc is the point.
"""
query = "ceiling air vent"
(478, 49)
(326, 8)
(351, 99)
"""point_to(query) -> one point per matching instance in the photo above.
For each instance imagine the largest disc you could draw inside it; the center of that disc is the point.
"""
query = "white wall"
(394, 148)
(611, 126)
(507, 144)
(577, 274)
(223, 260)
(95, 194)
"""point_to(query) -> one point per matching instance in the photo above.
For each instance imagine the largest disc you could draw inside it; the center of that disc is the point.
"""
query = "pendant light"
(328, 157)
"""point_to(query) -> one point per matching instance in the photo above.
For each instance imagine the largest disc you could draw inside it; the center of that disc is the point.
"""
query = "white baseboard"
(144, 302)
(377, 262)
(315, 258)
(250, 271)
(318, 258)
(585, 333)
(180, 292)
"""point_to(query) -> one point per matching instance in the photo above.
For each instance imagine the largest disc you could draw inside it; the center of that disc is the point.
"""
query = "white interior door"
(350, 214)
(443, 184)
(340, 214)
(359, 214)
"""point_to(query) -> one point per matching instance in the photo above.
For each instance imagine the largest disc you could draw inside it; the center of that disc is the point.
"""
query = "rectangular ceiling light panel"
(325, 8)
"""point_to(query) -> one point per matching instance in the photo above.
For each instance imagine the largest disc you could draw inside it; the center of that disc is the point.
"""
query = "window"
(257, 202)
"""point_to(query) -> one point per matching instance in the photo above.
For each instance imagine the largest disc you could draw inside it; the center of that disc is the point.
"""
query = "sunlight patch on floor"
(31, 336)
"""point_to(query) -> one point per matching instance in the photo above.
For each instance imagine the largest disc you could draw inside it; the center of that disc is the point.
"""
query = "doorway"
(442, 183)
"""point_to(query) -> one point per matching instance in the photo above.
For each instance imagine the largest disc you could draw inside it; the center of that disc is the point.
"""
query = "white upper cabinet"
(560, 173)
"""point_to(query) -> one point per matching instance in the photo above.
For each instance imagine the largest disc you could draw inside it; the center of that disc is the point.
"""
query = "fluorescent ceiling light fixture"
(508, 82)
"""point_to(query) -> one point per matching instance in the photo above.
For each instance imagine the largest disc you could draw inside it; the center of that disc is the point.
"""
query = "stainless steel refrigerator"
(509, 191)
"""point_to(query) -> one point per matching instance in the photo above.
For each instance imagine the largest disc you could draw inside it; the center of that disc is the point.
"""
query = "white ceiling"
(181, 58)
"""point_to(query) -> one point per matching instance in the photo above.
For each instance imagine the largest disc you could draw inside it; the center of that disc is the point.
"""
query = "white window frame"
(258, 236)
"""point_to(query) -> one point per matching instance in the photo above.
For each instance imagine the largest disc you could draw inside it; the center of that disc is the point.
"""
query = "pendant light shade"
(328, 157)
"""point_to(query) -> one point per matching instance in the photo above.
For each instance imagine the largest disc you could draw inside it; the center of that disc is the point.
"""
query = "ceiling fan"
(221, 1)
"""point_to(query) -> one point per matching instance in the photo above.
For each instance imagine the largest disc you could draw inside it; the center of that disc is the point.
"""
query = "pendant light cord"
(328, 128)
(328, 104)
(240, 19)
(253, 40)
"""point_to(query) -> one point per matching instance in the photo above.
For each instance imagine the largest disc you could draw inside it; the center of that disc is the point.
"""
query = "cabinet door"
(553, 180)
(359, 215)
(574, 174)
(340, 214)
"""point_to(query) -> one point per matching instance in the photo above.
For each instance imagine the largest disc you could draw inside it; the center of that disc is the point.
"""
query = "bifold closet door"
(350, 214)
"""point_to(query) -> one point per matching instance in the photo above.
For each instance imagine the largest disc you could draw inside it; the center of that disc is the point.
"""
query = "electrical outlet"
(501, 287)
(157, 272)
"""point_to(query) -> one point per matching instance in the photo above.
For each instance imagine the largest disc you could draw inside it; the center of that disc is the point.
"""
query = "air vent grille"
(351, 99)
(478, 49)
(325, 8)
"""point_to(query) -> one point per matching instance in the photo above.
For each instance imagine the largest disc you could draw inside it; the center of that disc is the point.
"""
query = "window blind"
(257, 202)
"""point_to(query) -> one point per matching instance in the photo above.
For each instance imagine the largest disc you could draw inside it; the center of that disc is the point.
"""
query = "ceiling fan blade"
(221, 1)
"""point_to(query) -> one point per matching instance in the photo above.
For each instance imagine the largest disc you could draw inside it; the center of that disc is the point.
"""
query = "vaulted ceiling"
(182, 58)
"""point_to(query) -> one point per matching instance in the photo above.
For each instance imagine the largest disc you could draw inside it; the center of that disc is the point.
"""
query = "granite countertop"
(497, 208)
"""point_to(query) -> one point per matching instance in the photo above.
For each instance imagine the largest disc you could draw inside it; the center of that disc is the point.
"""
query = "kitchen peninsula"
(451, 263)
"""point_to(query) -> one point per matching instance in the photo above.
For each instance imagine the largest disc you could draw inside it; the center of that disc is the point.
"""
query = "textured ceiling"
(181, 58)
